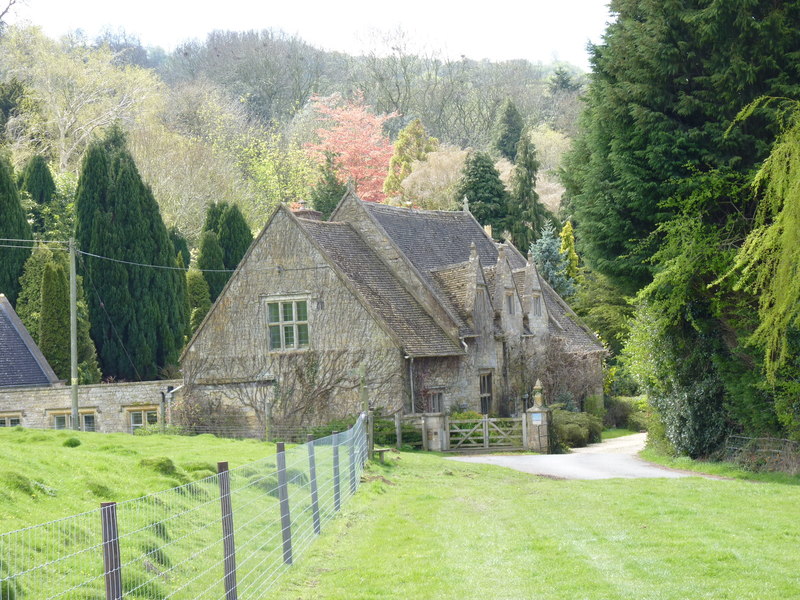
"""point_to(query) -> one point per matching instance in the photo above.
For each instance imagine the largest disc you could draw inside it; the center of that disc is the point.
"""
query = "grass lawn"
(41, 479)
(610, 434)
(425, 527)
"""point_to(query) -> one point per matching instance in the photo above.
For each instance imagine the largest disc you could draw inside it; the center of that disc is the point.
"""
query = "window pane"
(288, 312)
(88, 422)
(274, 312)
(3, 422)
(60, 421)
(152, 417)
(302, 335)
(537, 306)
(136, 419)
(275, 337)
(302, 311)
(13, 421)
(288, 336)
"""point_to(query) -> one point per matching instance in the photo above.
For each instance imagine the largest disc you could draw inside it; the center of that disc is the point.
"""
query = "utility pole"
(73, 334)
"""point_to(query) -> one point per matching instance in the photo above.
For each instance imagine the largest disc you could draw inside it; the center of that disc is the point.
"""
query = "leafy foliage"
(38, 182)
(356, 135)
(413, 144)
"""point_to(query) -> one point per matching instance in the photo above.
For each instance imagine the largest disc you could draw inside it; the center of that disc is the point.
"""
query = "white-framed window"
(63, 420)
(10, 420)
(287, 322)
(486, 392)
(142, 416)
(537, 306)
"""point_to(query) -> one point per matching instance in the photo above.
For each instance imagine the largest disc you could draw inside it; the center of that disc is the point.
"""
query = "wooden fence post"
(525, 434)
(446, 434)
(283, 497)
(398, 430)
(111, 557)
(337, 500)
(312, 473)
(485, 431)
(228, 543)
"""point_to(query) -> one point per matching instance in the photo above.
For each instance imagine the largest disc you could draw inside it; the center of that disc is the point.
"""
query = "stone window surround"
(54, 413)
(143, 410)
(486, 391)
(510, 303)
(295, 323)
(537, 305)
(7, 417)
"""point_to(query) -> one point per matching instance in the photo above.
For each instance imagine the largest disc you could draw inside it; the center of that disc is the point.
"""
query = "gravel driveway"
(606, 460)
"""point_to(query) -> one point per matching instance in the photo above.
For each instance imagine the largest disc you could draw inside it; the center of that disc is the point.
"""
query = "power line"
(34, 241)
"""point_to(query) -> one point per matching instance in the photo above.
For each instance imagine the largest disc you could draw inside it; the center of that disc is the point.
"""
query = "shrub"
(574, 429)
(72, 442)
(594, 405)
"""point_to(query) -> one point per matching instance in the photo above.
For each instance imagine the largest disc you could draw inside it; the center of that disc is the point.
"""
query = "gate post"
(525, 441)
(485, 431)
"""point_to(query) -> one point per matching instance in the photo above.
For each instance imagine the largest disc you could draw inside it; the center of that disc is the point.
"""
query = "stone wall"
(111, 403)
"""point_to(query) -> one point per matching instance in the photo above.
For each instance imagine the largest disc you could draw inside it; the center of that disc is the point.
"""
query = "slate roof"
(453, 281)
(435, 240)
(417, 331)
(21, 362)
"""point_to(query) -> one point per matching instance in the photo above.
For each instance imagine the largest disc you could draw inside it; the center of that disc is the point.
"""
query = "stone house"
(410, 310)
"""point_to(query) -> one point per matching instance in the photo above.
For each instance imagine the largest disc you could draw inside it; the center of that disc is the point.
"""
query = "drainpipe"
(411, 381)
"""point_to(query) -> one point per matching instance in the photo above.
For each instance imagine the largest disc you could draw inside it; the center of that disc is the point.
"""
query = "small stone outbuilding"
(414, 310)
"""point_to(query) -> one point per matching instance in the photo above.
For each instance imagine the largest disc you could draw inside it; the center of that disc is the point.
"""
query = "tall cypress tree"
(54, 320)
(13, 226)
(480, 183)
(38, 182)
(199, 298)
(210, 261)
(179, 244)
(234, 236)
(526, 215)
(507, 130)
(137, 312)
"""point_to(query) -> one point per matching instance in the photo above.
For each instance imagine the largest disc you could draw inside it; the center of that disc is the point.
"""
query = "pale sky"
(537, 30)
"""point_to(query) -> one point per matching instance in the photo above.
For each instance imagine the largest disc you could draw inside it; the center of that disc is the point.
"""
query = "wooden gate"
(483, 434)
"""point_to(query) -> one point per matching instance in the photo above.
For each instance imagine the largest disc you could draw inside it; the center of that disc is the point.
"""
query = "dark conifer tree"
(199, 298)
(54, 320)
(329, 190)
(138, 313)
(507, 130)
(38, 182)
(481, 185)
(234, 236)
(214, 214)
(13, 226)
(179, 244)
(526, 215)
(210, 261)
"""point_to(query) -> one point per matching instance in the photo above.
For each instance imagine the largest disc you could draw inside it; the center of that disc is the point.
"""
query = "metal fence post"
(312, 473)
(370, 434)
(352, 461)
(111, 557)
(398, 430)
(283, 496)
(228, 545)
(337, 501)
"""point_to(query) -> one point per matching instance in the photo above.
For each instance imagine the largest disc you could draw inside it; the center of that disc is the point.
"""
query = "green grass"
(610, 434)
(42, 479)
(425, 527)
(721, 469)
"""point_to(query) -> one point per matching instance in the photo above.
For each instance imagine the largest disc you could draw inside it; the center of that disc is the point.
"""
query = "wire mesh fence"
(227, 536)
(764, 454)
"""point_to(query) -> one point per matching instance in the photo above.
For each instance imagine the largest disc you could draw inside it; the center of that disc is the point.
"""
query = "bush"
(626, 412)
(574, 429)
(72, 442)
(385, 434)
(594, 405)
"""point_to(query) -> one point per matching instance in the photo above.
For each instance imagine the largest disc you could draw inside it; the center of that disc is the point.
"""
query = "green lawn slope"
(43, 477)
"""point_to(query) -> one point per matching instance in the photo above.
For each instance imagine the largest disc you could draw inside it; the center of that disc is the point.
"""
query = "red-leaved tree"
(355, 136)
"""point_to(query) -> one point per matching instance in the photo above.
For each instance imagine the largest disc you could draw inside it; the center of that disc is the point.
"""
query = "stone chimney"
(301, 211)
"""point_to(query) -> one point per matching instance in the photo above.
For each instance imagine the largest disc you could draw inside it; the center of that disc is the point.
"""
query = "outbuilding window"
(10, 420)
(288, 324)
(486, 393)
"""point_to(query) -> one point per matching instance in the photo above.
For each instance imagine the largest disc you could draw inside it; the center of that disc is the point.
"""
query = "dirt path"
(606, 460)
